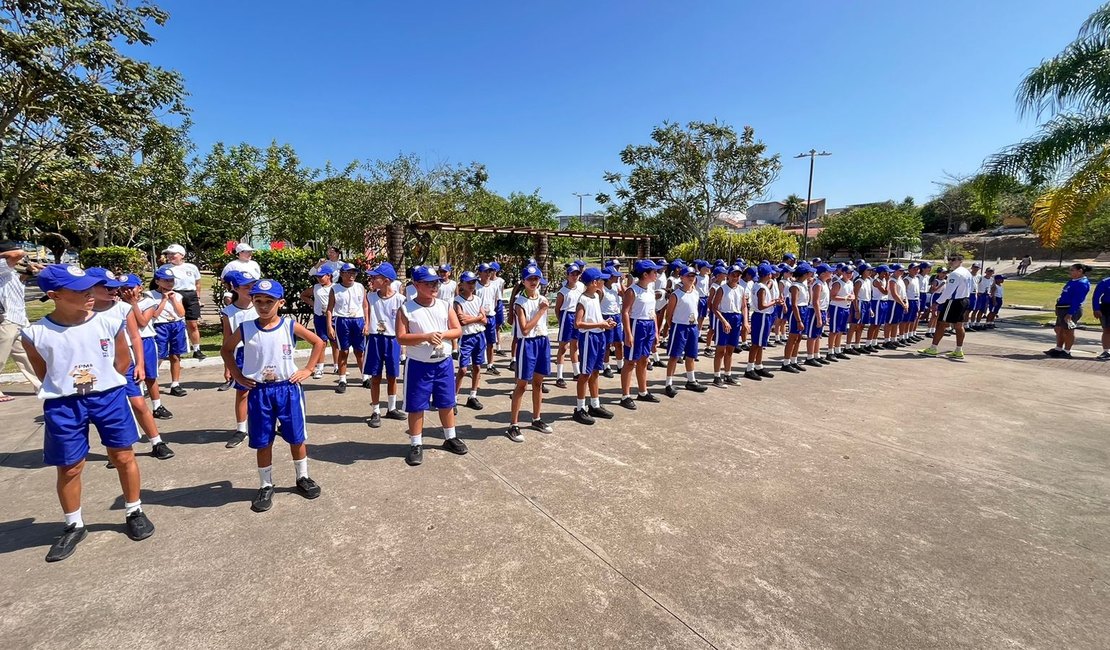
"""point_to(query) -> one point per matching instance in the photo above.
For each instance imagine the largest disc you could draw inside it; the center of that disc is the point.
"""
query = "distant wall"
(1004, 246)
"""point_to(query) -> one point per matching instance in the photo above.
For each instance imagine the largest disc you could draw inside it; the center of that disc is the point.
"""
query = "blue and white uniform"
(169, 328)
(641, 318)
(499, 302)
(349, 316)
(592, 341)
(913, 293)
(488, 294)
(429, 372)
(268, 360)
(120, 311)
(864, 292)
(320, 295)
(682, 340)
(566, 315)
(236, 316)
(762, 319)
(533, 348)
(821, 307)
(898, 288)
(702, 286)
(731, 308)
(383, 353)
(884, 302)
(472, 345)
(150, 340)
(800, 322)
(839, 305)
(611, 302)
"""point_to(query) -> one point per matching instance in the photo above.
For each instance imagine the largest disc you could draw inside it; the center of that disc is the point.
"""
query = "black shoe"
(560, 383)
(199, 356)
(1054, 353)
(162, 451)
(658, 364)
(647, 398)
(264, 499)
(732, 381)
(415, 455)
(374, 421)
(696, 387)
(541, 426)
(812, 363)
(600, 412)
(789, 367)
(67, 543)
(138, 526)
(514, 433)
(396, 414)
(162, 413)
(341, 388)
(473, 403)
(889, 346)
(753, 375)
(492, 370)
(582, 417)
(607, 373)
(840, 355)
(718, 382)
(177, 391)
(366, 382)
(512, 366)
(236, 439)
(799, 367)
(766, 374)
(824, 361)
(1064, 355)
(853, 351)
(308, 488)
(500, 353)
(455, 446)
(628, 403)
(670, 391)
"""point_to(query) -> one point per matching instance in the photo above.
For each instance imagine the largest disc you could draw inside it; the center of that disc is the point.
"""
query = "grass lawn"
(1042, 288)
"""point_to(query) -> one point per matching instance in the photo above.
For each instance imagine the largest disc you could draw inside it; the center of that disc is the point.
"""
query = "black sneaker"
(199, 356)
(162, 451)
(628, 403)
(823, 361)
(1104, 356)
(512, 366)
(607, 373)
(718, 382)
(799, 367)
(308, 488)
(841, 355)
(473, 403)
(763, 372)
(544, 389)
(500, 353)
(415, 455)
(789, 367)
(341, 388)
(582, 417)
(366, 382)
(753, 375)
(670, 391)
(541, 426)
(138, 526)
(560, 383)
(812, 363)
(731, 381)
(1064, 355)
(600, 412)
(696, 387)
(1054, 353)
(177, 391)
(162, 413)
(647, 398)
(236, 439)
(374, 421)
(65, 545)
(492, 370)
(658, 364)
(514, 433)
(455, 446)
(264, 499)
(853, 351)
(890, 345)
(396, 414)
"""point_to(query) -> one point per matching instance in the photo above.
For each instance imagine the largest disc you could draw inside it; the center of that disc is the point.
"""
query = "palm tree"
(792, 209)
(1071, 151)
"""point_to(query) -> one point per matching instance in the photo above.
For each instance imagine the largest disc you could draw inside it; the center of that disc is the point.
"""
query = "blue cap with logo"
(385, 270)
(926, 265)
(163, 273)
(271, 288)
(735, 268)
(323, 270)
(424, 274)
(789, 256)
(130, 280)
(689, 270)
(720, 269)
(613, 272)
(495, 265)
(643, 266)
(347, 267)
(765, 269)
(109, 278)
(239, 278)
(895, 267)
(863, 266)
(573, 268)
(882, 268)
(591, 275)
(803, 268)
(468, 276)
(67, 276)
(445, 267)
(822, 268)
(532, 271)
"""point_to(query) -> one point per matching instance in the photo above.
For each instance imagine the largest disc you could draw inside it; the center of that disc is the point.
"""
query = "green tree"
(69, 99)
(701, 169)
(874, 226)
(766, 243)
(793, 208)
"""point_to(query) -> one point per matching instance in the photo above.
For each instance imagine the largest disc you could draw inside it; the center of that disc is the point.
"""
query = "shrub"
(289, 266)
(942, 249)
(118, 259)
(766, 243)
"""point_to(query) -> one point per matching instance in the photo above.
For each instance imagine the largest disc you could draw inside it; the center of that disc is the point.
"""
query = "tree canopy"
(873, 226)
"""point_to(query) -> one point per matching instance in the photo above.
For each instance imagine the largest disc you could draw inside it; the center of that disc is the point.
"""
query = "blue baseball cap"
(271, 288)
(822, 268)
(765, 269)
(239, 278)
(347, 267)
(999, 277)
(701, 264)
(130, 280)
(718, 262)
(573, 268)
(445, 267)
(532, 271)
(882, 268)
(895, 267)
(323, 270)
(863, 266)
(591, 274)
(789, 256)
(163, 274)
(926, 265)
(720, 269)
(643, 266)
(424, 274)
(581, 263)
(109, 278)
(735, 268)
(689, 270)
(613, 272)
(615, 263)
(484, 268)
(803, 268)
(749, 271)
(385, 270)
(468, 276)
(495, 265)
(66, 276)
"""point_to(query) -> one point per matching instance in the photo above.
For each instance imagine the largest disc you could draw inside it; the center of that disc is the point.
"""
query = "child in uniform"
(883, 304)
(638, 321)
(383, 353)
(498, 313)
(702, 283)
(995, 297)
(682, 340)
(728, 305)
(762, 309)
(231, 317)
(862, 316)
(169, 327)
(819, 301)
(841, 295)
(565, 304)
(143, 306)
(533, 350)
(488, 292)
(592, 328)
(473, 318)
(897, 293)
(611, 310)
(347, 315)
(317, 295)
(800, 316)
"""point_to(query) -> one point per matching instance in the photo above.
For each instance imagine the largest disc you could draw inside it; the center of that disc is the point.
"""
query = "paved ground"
(890, 502)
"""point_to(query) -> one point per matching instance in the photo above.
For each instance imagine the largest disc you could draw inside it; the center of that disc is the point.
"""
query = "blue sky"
(547, 93)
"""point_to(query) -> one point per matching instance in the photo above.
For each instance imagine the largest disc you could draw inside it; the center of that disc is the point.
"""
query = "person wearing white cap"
(185, 278)
(243, 262)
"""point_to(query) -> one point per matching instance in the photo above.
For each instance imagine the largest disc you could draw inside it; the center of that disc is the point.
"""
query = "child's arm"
(454, 330)
(307, 297)
(178, 305)
(626, 315)
(330, 313)
(715, 307)
(794, 303)
(123, 357)
(760, 296)
(532, 322)
(882, 287)
(559, 302)
(225, 323)
(227, 352)
(136, 344)
(464, 319)
(406, 338)
(38, 364)
(580, 319)
(318, 346)
(365, 314)
(815, 300)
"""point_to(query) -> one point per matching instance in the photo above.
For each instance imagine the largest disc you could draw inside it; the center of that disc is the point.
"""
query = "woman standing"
(1069, 309)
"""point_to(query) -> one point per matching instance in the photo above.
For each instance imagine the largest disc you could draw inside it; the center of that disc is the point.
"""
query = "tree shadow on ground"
(20, 534)
(32, 459)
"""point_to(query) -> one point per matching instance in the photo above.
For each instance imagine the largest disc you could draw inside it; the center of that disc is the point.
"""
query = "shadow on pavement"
(27, 533)
(32, 459)
(350, 452)
(207, 495)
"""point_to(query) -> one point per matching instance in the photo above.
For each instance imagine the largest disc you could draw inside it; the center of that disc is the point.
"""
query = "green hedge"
(289, 266)
(118, 259)
(766, 243)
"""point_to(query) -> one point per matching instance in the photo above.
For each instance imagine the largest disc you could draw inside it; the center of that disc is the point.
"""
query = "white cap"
(175, 248)
(243, 247)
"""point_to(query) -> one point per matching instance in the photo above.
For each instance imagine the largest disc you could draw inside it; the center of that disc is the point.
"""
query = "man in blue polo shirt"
(1100, 304)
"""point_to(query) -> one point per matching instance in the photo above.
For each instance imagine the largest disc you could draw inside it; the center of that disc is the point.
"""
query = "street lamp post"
(580, 196)
(813, 153)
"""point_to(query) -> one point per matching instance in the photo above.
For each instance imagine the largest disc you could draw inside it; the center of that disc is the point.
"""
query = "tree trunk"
(9, 216)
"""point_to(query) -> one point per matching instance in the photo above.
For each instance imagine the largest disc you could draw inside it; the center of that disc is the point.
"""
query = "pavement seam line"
(589, 548)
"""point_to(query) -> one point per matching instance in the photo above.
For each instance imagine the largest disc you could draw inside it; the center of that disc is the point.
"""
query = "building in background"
(771, 212)
(591, 220)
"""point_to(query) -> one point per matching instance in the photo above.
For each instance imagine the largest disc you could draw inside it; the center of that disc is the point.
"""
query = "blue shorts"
(615, 335)
(838, 319)
(812, 330)
(591, 351)
(683, 341)
(899, 313)
(761, 328)
(912, 312)
(131, 388)
(712, 321)
(567, 332)
(780, 312)
(643, 339)
(67, 420)
(271, 403)
(426, 382)
(239, 364)
(472, 349)
(499, 314)
(150, 358)
(320, 326)
(533, 357)
(884, 312)
(983, 303)
(800, 324)
(866, 314)
(703, 307)
(924, 298)
(171, 339)
(936, 298)
(731, 338)
(348, 332)
(383, 353)
(996, 304)
(491, 331)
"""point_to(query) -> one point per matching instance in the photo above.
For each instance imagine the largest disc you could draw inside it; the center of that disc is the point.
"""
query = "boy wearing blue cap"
(473, 318)
(426, 326)
(638, 321)
(883, 305)
(487, 291)
(762, 309)
(728, 305)
(982, 300)
(702, 283)
(347, 315)
(819, 303)
(383, 352)
(800, 316)
(566, 302)
(779, 332)
(719, 277)
(273, 382)
(317, 296)
(169, 326)
(841, 296)
(897, 292)
(232, 316)
(83, 385)
(533, 350)
(611, 310)
(863, 317)
(912, 279)
(995, 297)
(592, 330)
(448, 288)
(498, 313)
(682, 340)
(143, 307)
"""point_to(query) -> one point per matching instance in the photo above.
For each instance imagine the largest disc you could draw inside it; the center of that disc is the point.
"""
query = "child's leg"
(475, 380)
(264, 458)
(128, 470)
(559, 360)
(595, 392)
(69, 486)
(145, 418)
(514, 402)
(343, 354)
(376, 392)
(641, 375)
(447, 419)
(241, 410)
(391, 393)
(537, 396)
(360, 359)
(153, 390)
(573, 349)
(416, 427)
(581, 383)
(335, 356)
(175, 369)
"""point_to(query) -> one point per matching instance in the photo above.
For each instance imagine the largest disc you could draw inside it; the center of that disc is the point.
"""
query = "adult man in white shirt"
(13, 313)
(952, 307)
(185, 278)
(243, 262)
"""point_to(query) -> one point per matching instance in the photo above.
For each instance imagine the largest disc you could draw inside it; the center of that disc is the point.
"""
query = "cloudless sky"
(547, 93)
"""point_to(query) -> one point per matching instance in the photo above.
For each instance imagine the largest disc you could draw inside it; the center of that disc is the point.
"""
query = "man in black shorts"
(185, 278)
(952, 307)
(1100, 301)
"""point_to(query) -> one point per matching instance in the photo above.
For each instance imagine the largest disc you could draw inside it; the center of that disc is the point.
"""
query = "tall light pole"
(813, 153)
(580, 196)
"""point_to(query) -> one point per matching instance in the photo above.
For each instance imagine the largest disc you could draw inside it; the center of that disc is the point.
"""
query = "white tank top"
(472, 308)
(80, 359)
(899, 288)
(660, 292)
(702, 285)
(498, 285)
(767, 291)
(447, 290)
(840, 291)
(877, 293)
(320, 295)
(571, 295)
(643, 303)
(803, 294)
(348, 300)
(732, 299)
(611, 300)
(169, 313)
(236, 316)
(863, 289)
(776, 292)
(424, 320)
(119, 312)
(592, 309)
(144, 304)
(383, 313)
(268, 354)
(685, 307)
(530, 306)
(823, 299)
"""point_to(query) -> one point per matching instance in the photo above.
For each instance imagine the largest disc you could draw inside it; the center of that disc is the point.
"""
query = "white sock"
(134, 506)
(690, 375)
(391, 401)
(759, 366)
(416, 440)
(595, 402)
(377, 409)
(319, 367)
(751, 367)
(959, 348)
(156, 404)
(174, 384)
(559, 372)
(717, 374)
(301, 467)
(643, 394)
(576, 368)
(580, 404)
(343, 378)
(474, 393)
(155, 440)
(448, 433)
(241, 427)
(75, 518)
(265, 476)
(669, 378)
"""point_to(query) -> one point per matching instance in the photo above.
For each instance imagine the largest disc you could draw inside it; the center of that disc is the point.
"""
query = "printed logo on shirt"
(286, 351)
(104, 345)
(269, 374)
(83, 379)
